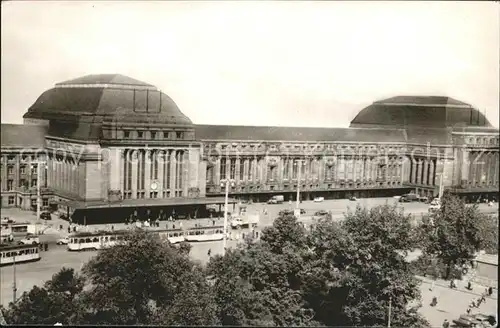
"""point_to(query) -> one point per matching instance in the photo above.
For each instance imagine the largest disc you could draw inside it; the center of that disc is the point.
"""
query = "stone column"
(173, 172)
(420, 168)
(472, 168)
(185, 173)
(426, 172)
(217, 176)
(148, 158)
(495, 166)
(413, 178)
(161, 158)
(431, 173)
(135, 164)
(488, 166)
(237, 170)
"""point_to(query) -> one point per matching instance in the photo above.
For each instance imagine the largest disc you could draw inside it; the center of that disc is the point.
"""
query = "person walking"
(434, 301)
(209, 252)
(446, 323)
(432, 285)
(490, 291)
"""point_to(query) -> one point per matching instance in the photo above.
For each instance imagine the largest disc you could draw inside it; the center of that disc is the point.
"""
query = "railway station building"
(109, 145)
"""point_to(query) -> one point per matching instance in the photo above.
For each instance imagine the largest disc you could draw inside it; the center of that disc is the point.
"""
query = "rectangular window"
(232, 169)
(11, 200)
(10, 184)
(223, 168)
(45, 202)
(33, 182)
(165, 134)
(23, 183)
(153, 135)
(140, 134)
(22, 169)
(242, 169)
(34, 169)
(179, 135)
(210, 171)
(10, 169)
(126, 134)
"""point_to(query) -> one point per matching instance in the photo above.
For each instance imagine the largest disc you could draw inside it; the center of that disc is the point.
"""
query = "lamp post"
(299, 169)
(38, 196)
(14, 284)
(226, 184)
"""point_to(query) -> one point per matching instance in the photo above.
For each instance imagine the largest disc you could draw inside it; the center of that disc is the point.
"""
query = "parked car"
(30, 239)
(321, 213)
(45, 216)
(6, 219)
(319, 199)
(352, 198)
(62, 241)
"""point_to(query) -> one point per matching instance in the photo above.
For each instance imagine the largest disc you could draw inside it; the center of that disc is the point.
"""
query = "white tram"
(205, 234)
(88, 241)
(18, 254)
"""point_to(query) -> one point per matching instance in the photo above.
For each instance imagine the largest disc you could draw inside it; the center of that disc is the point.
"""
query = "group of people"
(477, 302)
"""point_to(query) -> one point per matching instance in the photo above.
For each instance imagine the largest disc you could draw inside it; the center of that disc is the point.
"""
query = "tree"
(140, 281)
(455, 232)
(146, 281)
(56, 301)
(357, 267)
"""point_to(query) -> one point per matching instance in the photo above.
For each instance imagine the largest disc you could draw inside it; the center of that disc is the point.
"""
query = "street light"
(226, 183)
(299, 169)
(38, 197)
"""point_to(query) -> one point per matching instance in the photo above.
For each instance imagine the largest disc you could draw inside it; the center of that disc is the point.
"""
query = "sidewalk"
(477, 289)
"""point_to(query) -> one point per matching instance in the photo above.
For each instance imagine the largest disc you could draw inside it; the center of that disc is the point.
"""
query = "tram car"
(18, 254)
(91, 241)
(201, 234)
(174, 236)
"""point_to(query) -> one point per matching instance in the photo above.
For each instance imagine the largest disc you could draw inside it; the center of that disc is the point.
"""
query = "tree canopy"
(456, 232)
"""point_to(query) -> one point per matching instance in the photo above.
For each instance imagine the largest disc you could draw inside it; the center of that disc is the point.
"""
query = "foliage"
(137, 282)
(56, 301)
(341, 274)
(454, 233)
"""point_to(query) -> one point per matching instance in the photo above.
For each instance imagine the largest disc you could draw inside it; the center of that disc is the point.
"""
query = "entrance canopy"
(149, 202)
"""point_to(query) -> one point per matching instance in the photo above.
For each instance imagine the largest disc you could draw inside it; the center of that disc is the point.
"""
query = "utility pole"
(389, 312)
(14, 285)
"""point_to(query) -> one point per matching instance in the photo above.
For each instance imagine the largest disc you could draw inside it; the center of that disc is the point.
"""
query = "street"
(450, 302)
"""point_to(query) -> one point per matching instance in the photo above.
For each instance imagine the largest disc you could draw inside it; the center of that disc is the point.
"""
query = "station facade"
(106, 144)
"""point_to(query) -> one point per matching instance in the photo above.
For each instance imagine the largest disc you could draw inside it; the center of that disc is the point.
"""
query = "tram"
(18, 254)
(87, 241)
(205, 234)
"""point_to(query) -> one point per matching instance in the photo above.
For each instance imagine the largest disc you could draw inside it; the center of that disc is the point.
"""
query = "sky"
(257, 63)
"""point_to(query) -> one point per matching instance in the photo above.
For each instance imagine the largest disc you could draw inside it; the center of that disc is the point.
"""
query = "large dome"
(82, 104)
(420, 111)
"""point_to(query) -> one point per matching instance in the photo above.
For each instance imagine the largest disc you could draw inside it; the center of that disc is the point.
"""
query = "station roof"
(148, 202)
(23, 136)
(281, 133)
(428, 111)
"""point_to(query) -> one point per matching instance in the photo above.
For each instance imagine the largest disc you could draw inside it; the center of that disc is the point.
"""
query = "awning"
(150, 202)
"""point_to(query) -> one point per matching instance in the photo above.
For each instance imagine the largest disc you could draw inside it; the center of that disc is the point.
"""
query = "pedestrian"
(173, 226)
(112, 228)
(468, 310)
(490, 291)
(46, 247)
(469, 285)
(69, 229)
(213, 222)
(209, 252)
(432, 285)
(180, 225)
(473, 304)
(446, 323)
(434, 301)
(60, 227)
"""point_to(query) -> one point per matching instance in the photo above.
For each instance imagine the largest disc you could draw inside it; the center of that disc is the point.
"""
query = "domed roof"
(107, 97)
(420, 111)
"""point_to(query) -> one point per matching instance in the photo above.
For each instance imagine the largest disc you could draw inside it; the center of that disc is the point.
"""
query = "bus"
(18, 254)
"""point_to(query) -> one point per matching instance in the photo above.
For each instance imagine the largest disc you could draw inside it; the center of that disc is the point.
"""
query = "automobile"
(46, 216)
(423, 199)
(319, 199)
(6, 219)
(321, 213)
(302, 211)
(62, 241)
(352, 198)
(285, 213)
(30, 239)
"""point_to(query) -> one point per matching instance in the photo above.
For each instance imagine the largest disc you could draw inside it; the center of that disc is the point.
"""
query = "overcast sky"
(260, 63)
